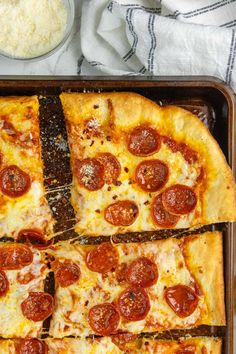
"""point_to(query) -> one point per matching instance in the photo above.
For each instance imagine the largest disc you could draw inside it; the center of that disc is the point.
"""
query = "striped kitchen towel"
(168, 37)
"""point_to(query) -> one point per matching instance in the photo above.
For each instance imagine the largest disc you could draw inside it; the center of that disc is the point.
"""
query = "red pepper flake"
(117, 183)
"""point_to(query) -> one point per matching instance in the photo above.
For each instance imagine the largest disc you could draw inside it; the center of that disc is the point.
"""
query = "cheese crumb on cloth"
(29, 28)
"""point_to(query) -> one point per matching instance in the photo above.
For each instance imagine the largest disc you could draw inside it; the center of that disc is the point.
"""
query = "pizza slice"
(23, 303)
(141, 167)
(120, 344)
(106, 345)
(23, 206)
(137, 287)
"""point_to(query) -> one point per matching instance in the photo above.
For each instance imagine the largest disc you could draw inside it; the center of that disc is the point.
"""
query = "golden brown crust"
(121, 112)
(204, 257)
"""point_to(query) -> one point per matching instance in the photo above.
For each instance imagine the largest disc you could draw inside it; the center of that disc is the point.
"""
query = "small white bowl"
(70, 8)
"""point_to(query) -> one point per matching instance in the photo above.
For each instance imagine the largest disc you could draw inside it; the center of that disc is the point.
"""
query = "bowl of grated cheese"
(33, 30)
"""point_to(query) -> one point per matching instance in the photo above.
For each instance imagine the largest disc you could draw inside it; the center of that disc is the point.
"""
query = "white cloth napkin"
(168, 37)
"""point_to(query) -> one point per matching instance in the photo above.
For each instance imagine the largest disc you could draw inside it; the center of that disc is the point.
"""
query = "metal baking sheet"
(208, 98)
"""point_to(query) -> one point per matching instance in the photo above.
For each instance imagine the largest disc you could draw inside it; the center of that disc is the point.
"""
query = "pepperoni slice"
(151, 175)
(34, 237)
(104, 319)
(134, 304)
(103, 258)
(4, 284)
(14, 182)
(160, 216)
(187, 349)
(111, 166)
(15, 256)
(121, 339)
(32, 346)
(179, 199)
(37, 306)
(142, 272)
(122, 213)
(90, 174)
(66, 273)
(143, 141)
(182, 299)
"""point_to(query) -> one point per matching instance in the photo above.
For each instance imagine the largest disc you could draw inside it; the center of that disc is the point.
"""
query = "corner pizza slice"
(141, 167)
(23, 206)
(23, 303)
(107, 345)
(138, 287)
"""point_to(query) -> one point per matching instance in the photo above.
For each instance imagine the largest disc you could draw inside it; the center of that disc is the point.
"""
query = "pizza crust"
(204, 257)
(123, 112)
(219, 199)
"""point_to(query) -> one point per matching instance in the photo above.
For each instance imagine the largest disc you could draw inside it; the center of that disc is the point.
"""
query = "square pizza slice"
(123, 345)
(23, 206)
(23, 303)
(138, 287)
(119, 344)
(141, 167)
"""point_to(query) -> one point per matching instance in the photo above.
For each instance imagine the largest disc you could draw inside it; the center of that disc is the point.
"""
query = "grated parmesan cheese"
(30, 28)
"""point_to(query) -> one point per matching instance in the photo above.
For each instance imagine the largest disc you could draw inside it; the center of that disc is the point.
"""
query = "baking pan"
(207, 97)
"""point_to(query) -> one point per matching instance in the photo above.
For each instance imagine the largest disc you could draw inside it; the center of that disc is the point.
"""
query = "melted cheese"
(7, 347)
(31, 209)
(74, 302)
(85, 202)
(27, 212)
(210, 345)
(106, 346)
(89, 346)
(12, 321)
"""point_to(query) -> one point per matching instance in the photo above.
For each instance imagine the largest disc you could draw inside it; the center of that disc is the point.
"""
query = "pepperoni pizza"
(119, 344)
(22, 202)
(141, 167)
(137, 287)
(23, 303)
